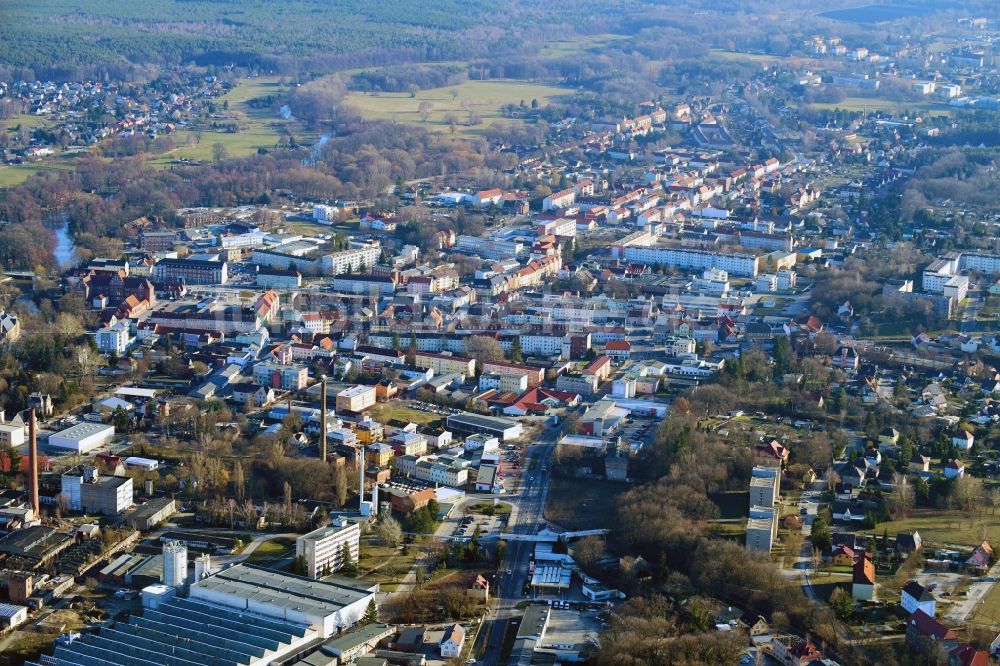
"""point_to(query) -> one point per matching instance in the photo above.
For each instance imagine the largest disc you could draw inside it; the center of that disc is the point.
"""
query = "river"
(65, 248)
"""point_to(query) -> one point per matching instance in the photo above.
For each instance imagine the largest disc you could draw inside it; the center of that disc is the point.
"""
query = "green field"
(272, 550)
(563, 48)
(386, 565)
(987, 611)
(875, 104)
(946, 527)
(11, 176)
(259, 128)
(740, 56)
(481, 97)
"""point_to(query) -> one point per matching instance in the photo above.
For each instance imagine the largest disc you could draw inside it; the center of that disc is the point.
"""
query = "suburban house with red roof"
(863, 583)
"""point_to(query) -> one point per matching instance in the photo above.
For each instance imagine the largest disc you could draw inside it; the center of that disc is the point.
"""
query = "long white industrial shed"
(82, 437)
(325, 607)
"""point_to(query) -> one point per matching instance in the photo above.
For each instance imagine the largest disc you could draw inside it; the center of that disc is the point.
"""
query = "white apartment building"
(561, 199)
(679, 346)
(712, 281)
(291, 377)
(488, 248)
(324, 549)
(684, 258)
(114, 339)
(350, 260)
(356, 398)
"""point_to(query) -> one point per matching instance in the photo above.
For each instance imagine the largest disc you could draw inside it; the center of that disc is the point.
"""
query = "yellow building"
(378, 455)
(369, 432)
(442, 364)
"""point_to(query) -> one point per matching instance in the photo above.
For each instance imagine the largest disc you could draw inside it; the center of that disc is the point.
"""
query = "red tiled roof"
(927, 626)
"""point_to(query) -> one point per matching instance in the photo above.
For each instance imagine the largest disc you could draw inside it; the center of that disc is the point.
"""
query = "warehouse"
(326, 608)
(152, 513)
(502, 429)
(83, 437)
(11, 615)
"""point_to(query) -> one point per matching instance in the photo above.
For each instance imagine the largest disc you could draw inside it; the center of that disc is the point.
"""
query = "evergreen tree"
(516, 355)
(371, 614)
(411, 352)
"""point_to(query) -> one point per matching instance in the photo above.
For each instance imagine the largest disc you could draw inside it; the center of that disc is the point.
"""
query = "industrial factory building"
(244, 616)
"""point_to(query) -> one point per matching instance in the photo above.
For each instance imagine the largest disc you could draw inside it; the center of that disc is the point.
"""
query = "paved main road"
(529, 504)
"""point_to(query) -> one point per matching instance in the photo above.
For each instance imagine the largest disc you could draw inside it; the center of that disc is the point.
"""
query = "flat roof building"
(172, 630)
(502, 429)
(324, 549)
(83, 437)
(325, 608)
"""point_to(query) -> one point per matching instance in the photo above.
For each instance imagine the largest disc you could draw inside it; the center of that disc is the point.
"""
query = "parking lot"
(489, 526)
(636, 432)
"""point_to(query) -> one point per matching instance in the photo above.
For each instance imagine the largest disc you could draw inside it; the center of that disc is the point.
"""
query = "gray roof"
(83, 430)
(264, 586)
(181, 632)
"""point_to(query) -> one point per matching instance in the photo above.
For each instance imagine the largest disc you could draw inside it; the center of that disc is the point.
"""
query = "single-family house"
(966, 655)
(863, 582)
(794, 651)
(889, 436)
(955, 469)
(916, 597)
(854, 476)
(452, 641)
(981, 558)
(755, 624)
(848, 512)
(920, 626)
(919, 463)
(843, 556)
(908, 542)
(963, 440)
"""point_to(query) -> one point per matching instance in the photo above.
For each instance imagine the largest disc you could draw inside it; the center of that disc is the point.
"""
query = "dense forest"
(64, 40)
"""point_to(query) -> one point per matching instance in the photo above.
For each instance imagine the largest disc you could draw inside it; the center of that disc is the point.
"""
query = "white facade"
(114, 339)
(83, 437)
(683, 258)
(325, 214)
(323, 549)
(350, 260)
(488, 248)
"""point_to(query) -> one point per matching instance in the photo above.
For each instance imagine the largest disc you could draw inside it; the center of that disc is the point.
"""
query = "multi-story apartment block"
(535, 375)
(489, 248)
(114, 339)
(327, 549)
(356, 399)
(355, 260)
(288, 376)
(364, 284)
(689, 259)
(444, 365)
(272, 278)
(191, 271)
(562, 199)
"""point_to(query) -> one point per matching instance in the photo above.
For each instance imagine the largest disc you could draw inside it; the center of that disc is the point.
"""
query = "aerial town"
(700, 374)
